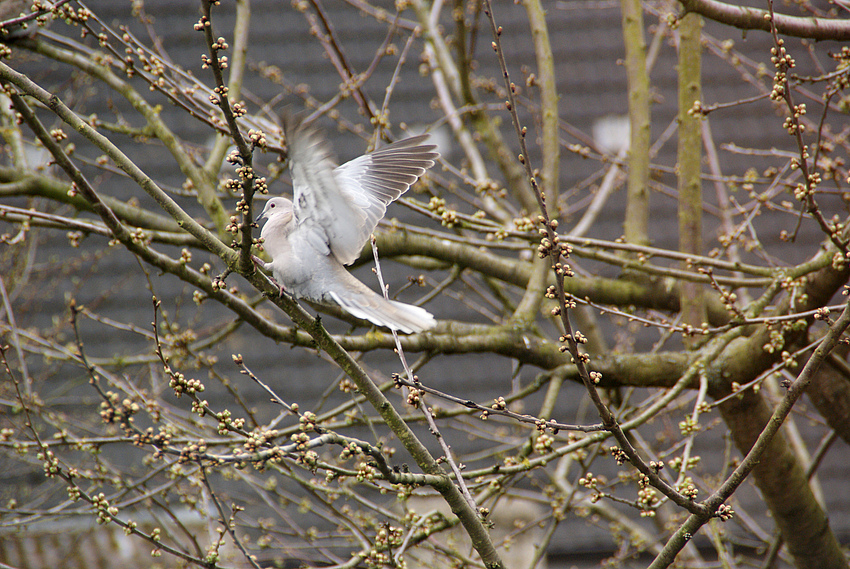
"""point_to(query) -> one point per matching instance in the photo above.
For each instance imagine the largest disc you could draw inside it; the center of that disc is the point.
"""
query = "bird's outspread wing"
(317, 202)
(372, 181)
(337, 208)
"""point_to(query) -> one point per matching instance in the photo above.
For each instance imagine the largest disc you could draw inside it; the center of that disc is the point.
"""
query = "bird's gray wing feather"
(337, 208)
(374, 180)
(318, 205)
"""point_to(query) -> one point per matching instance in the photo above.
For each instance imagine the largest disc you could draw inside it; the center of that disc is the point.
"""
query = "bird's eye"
(271, 205)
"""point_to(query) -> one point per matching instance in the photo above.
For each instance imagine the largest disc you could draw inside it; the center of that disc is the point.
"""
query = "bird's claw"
(259, 262)
(280, 289)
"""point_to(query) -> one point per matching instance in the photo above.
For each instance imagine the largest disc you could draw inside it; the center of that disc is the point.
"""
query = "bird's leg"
(263, 265)
(280, 289)
(259, 262)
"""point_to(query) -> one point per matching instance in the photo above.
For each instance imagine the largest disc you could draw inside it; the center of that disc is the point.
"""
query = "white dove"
(335, 210)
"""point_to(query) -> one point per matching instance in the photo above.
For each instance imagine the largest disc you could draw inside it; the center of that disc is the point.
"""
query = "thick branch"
(661, 294)
(636, 224)
(689, 157)
(533, 296)
(754, 19)
(830, 394)
(22, 183)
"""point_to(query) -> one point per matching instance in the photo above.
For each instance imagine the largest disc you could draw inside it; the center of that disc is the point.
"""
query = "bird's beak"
(260, 217)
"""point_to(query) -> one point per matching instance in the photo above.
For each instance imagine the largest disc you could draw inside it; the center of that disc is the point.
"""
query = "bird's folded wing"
(337, 208)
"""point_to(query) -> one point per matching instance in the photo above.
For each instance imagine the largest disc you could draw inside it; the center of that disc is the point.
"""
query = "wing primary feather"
(338, 207)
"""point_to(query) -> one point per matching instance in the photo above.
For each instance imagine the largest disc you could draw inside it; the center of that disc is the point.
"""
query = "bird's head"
(276, 207)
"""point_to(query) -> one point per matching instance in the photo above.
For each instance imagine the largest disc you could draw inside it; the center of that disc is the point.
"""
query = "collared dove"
(335, 210)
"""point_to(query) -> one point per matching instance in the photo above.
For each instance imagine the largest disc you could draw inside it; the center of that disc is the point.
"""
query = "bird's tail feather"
(391, 314)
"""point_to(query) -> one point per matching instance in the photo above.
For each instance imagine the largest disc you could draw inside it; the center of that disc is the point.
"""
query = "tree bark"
(784, 486)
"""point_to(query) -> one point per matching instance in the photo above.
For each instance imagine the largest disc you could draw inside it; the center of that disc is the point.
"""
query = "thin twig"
(426, 411)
